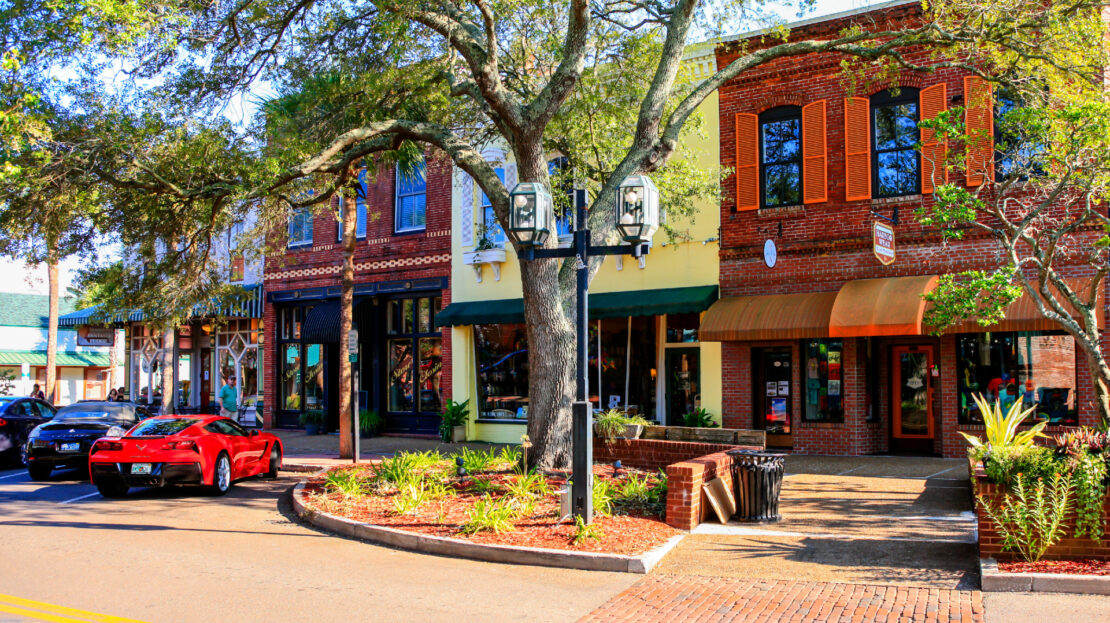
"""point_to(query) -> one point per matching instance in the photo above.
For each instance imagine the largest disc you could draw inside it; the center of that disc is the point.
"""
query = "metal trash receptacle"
(757, 484)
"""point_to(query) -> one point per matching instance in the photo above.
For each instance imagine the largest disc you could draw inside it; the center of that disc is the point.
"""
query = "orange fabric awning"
(1022, 314)
(770, 317)
(877, 307)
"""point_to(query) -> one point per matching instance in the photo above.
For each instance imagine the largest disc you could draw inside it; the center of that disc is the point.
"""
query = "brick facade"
(822, 246)
(394, 261)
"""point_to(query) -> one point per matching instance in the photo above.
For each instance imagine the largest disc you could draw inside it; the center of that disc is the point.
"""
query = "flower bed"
(1072, 567)
(493, 503)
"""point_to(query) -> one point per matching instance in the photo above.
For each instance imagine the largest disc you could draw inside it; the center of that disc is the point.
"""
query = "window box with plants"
(616, 424)
(485, 252)
(313, 421)
(452, 428)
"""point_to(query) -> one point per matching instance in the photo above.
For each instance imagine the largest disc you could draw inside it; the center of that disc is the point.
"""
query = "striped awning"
(62, 358)
(881, 307)
(249, 306)
(768, 317)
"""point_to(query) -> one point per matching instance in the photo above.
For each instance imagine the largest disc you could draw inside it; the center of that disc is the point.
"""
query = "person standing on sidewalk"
(229, 405)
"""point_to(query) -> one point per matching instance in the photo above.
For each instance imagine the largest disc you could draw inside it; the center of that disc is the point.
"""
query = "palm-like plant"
(1002, 429)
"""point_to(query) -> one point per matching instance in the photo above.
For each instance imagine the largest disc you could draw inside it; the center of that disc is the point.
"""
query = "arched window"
(895, 160)
(780, 154)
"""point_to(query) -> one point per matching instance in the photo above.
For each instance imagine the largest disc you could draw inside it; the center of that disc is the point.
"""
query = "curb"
(455, 548)
(995, 581)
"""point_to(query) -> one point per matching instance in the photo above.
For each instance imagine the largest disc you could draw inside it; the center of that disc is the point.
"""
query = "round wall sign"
(770, 253)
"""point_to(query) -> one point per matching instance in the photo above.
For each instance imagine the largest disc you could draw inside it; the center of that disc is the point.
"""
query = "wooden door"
(912, 381)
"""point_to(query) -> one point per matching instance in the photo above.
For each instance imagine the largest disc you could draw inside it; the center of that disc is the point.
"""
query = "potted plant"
(485, 252)
(614, 424)
(699, 418)
(369, 422)
(313, 421)
(452, 428)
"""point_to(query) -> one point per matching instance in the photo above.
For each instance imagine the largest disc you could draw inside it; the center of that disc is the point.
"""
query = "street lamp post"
(530, 221)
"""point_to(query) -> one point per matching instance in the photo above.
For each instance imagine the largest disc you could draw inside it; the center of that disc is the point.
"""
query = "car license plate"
(70, 447)
(140, 468)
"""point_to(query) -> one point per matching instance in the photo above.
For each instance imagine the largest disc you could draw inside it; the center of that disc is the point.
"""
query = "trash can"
(757, 483)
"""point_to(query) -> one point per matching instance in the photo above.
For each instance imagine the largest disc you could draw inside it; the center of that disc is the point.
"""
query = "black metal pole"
(582, 437)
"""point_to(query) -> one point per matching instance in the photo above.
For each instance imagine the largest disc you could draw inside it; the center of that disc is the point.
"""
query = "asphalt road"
(178, 555)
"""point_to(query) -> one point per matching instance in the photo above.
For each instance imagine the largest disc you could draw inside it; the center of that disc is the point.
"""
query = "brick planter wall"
(990, 541)
(688, 465)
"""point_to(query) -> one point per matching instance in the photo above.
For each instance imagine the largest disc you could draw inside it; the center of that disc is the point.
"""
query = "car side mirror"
(254, 433)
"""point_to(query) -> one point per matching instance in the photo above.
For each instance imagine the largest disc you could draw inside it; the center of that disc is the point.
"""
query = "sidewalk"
(311, 453)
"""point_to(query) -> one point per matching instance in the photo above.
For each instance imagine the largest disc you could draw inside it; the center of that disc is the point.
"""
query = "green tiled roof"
(30, 310)
(64, 358)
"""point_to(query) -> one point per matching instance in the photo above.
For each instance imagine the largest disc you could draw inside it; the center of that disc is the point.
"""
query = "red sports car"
(182, 449)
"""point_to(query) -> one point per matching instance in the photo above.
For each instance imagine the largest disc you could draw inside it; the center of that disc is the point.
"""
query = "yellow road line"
(54, 613)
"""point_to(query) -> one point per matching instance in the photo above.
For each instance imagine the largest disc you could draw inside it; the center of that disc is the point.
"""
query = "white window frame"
(485, 204)
(305, 215)
(397, 197)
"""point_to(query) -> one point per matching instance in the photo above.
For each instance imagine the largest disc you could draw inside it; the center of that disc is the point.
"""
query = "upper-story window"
(493, 230)
(895, 160)
(411, 199)
(780, 152)
(300, 227)
(236, 261)
(362, 192)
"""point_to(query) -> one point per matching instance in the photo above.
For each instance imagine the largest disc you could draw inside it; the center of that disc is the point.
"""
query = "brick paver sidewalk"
(689, 598)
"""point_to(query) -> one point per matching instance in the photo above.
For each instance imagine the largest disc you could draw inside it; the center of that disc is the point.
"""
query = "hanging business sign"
(770, 253)
(96, 336)
(882, 236)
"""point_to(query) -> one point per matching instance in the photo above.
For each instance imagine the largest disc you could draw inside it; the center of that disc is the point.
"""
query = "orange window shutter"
(979, 123)
(815, 160)
(747, 161)
(857, 148)
(934, 153)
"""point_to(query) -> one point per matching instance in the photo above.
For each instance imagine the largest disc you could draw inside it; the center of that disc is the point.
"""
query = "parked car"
(18, 416)
(65, 440)
(208, 450)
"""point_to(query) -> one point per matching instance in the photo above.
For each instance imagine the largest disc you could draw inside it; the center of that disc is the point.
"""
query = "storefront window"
(400, 375)
(1035, 368)
(823, 381)
(502, 370)
(627, 358)
(682, 328)
(291, 377)
(314, 376)
(184, 378)
(431, 373)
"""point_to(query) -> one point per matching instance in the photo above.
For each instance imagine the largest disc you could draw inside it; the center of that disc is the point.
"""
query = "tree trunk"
(168, 371)
(52, 334)
(551, 342)
(349, 215)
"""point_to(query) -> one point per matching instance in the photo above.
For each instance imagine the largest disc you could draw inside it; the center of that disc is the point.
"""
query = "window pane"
(407, 313)
(431, 373)
(248, 371)
(502, 354)
(393, 316)
(425, 315)
(784, 184)
(314, 376)
(682, 327)
(494, 231)
(291, 378)
(400, 375)
(412, 181)
(823, 381)
(896, 126)
(897, 173)
(1035, 368)
(781, 140)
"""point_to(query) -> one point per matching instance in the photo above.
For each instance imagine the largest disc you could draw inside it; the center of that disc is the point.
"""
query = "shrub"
(454, 415)
(637, 489)
(583, 531)
(477, 461)
(611, 423)
(484, 486)
(1089, 477)
(397, 471)
(1030, 519)
(699, 418)
(1004, 464)
(344, 481)
(369, 421)
(602, 497)
(411, 496)
(488, 516)
(528, 486)
(1002, 430)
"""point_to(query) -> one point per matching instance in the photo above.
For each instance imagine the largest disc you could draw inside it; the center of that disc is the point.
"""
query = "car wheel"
(112, 489)
(38, 471)
(221, 475)
(275, 462)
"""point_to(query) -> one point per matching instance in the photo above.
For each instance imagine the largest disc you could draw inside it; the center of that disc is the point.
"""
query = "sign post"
(882, 242)
(352, 356)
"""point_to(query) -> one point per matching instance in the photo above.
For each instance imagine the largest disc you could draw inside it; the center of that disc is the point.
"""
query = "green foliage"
(531, 485)
(584, 531)
(511, 458)
(1031, 518)
(1002, 430)
(489, 516)
(485, 486)
(369, 421)
(637, 489)
(401, 469)
(424, 460)
(699, 418)
(602, 497)
(411, 496)
(476, 461)
(7, 382)
(973, 294)
(313, 416)
(1006, 464)
(454, 415)
(611, 423)
(344, 481)
(1089, 478)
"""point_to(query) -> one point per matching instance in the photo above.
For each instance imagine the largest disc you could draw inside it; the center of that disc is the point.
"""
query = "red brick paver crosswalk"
(710, 599)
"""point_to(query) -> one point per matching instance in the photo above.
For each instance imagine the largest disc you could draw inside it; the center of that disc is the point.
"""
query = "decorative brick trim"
(437, 234)
(779, 99)
(400, 262)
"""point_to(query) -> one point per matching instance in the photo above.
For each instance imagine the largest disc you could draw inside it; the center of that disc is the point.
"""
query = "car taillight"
(3, 422)
(106, 446)
(180, 445)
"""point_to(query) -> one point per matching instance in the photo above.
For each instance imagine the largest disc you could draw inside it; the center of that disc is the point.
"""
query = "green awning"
(602, 305)
(64, 358)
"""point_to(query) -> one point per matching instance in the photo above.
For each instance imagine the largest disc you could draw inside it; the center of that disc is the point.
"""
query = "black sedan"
(65, 441)
(18, 416)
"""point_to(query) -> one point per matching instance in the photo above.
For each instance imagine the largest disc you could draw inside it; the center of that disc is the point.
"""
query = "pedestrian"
(229, 406)
(37, 393)
(112, 395)
(121, 395)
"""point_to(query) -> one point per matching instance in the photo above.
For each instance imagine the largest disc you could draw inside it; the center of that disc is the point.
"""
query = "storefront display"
(823, 381)
(502, 353)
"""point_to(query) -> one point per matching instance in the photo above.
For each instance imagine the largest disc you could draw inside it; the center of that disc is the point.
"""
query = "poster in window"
(777, 411)
(834, 388)
(772, 388)
(784, 388)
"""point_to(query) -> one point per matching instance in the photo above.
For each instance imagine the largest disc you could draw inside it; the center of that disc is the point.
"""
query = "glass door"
(772, 373)
(683, 383)
(912, 379)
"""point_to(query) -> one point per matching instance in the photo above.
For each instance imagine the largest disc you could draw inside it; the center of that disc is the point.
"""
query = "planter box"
(458, 433)
(493, 257)
(630, 432)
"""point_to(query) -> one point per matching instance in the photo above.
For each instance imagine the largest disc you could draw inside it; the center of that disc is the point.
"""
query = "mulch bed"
(1074, 567)
(630, 530)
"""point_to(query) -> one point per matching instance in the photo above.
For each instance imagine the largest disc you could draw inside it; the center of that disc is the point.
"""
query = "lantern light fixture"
(637, 209)
(530, 213)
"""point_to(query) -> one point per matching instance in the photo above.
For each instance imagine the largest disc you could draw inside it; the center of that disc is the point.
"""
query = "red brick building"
(822, 337)
(402, 270)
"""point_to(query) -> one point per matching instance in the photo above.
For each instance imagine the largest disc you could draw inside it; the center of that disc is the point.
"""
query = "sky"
(17, 277)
